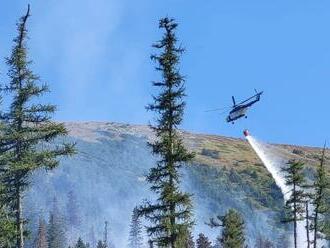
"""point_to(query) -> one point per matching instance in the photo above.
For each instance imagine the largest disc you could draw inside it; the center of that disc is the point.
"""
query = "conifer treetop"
(170, 216)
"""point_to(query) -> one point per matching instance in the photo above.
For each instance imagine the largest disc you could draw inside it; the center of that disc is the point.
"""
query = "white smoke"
(274, 163)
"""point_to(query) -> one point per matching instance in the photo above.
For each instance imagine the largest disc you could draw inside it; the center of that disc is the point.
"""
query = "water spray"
(274, 163)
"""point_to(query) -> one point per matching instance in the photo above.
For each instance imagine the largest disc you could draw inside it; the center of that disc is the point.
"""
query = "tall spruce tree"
(233, 227)
(203, 241)
(135, 234)
(41, 239)
(320, 200)
(295, 205)
(25, 139)
(171, 214)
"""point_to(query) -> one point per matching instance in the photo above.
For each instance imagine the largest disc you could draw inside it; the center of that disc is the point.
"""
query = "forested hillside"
(105, 180)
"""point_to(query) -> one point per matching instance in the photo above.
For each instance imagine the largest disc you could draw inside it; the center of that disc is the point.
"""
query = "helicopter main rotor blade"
(217, 109)
(255, 96)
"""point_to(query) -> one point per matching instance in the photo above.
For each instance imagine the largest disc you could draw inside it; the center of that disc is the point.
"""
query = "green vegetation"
(135, 234)
(295, 205)
(260, 190)
(225, 169)
(56, 233)
(203, 241)
(25, 127)
(7, 228)
(80, 244)
(321, 202)
(170, 216)
(232, 224)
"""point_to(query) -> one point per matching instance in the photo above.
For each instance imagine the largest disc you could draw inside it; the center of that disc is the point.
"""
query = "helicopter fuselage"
(237, 113)
(239, 110)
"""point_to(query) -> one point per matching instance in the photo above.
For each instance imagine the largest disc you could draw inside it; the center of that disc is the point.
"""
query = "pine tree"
(80, 244)
(41, 240)
(320, 200)
(171, 214)
(233, 229)
(56, 228)
(203, 241)
(25, 140)
(135, 234)
(105, 239)
(295, 205)
(100, 244)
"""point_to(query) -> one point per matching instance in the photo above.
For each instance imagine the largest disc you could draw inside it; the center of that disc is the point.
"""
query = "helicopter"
(239, 110)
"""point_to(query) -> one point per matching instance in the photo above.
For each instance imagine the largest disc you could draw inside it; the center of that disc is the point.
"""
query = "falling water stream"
(273, 162)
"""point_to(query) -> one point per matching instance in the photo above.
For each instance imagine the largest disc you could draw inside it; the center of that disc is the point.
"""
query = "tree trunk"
(315, 228)
(295, 217)
(172, 220)
(307, 225)
(19, 214)
(19, 220)
(172, 205)
(295, 231)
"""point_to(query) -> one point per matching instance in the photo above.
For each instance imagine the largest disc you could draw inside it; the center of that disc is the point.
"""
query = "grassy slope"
(240, 167)
(243, 167)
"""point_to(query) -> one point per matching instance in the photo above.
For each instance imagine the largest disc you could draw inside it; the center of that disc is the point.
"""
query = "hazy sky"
(95, 56)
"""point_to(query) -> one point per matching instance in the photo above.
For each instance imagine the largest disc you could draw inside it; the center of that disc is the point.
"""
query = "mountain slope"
(107, 177)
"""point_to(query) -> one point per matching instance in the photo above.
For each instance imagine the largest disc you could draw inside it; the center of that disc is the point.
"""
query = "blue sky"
(94, 54)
